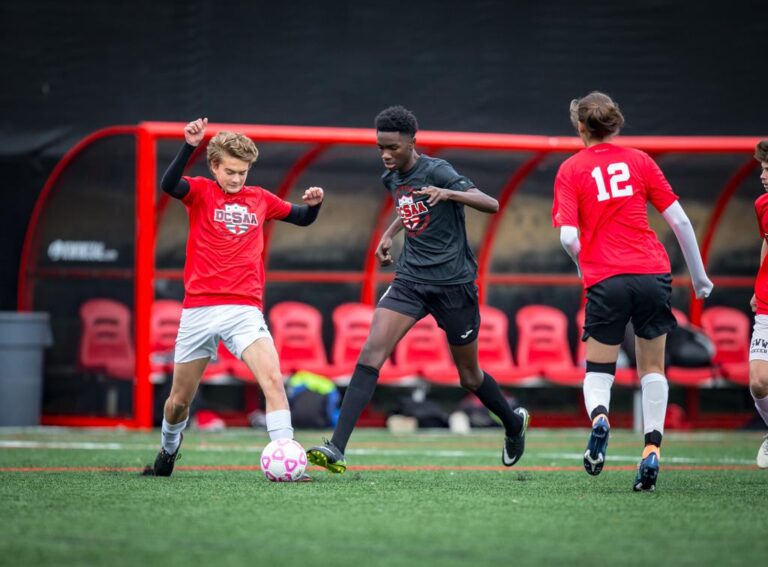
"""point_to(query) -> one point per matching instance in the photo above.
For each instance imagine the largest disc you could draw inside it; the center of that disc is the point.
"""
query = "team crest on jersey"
(414, 214)
(236, 218)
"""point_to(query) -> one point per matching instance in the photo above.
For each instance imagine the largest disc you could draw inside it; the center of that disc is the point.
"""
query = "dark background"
(682, 68)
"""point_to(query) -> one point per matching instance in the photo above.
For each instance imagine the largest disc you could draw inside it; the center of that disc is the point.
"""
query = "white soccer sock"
(279, 424)
(171, 435)
(761, 405)
(655, 396)
(597, 391)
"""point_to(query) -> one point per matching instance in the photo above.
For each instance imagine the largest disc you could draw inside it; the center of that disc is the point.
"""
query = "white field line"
(91, 446)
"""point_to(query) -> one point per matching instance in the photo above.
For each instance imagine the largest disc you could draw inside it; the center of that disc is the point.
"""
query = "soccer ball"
(283, 460)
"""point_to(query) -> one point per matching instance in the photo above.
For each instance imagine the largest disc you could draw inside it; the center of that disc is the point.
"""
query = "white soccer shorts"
(758, 348)
(202, 328)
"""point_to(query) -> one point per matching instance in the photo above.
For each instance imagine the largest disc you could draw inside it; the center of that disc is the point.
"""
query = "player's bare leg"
(263, 362)
(655, 392)
(186, 378)
(482, 384)
(387, 328)
(758, 387)
(600, 372)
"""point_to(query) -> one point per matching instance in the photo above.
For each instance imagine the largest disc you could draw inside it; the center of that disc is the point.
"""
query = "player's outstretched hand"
(703, 288)
(435, 194)
(753, 303)
(313, 196)
(382, 251)
(194, 132)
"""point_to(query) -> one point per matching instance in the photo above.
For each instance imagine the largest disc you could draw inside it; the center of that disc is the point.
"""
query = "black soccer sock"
(490, 394)
(358, 394)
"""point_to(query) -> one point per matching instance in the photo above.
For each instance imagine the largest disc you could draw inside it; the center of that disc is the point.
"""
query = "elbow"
(168, 186)
(569, 239)
(493, 206)
(568, 242)
(682, 225)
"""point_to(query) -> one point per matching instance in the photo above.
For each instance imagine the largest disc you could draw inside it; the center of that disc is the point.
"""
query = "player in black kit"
(435, 274)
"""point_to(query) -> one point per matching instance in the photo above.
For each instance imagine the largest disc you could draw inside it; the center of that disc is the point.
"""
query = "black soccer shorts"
(644, 299)
(454, 307)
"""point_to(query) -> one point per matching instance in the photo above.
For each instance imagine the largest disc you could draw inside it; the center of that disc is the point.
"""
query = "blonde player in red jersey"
(600, 206)
(758, 350)
(224, 279)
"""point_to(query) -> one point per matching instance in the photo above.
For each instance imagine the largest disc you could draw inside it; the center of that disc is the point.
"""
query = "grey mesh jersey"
(436, 249)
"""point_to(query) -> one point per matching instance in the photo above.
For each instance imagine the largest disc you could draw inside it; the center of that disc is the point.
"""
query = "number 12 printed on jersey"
(619, 173)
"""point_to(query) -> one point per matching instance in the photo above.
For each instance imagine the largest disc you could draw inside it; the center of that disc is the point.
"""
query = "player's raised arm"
(172, 183)
(306, 214)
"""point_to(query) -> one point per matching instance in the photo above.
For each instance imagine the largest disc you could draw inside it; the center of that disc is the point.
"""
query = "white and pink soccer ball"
(283, 460)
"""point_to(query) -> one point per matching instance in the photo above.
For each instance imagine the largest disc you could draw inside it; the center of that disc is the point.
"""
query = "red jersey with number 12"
(224, 264)
(603, 191)
(761, 283)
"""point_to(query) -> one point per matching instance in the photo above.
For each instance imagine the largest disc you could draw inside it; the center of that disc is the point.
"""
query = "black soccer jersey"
(436, 249)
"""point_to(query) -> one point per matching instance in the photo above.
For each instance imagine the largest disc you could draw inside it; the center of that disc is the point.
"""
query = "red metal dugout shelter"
(149, 208)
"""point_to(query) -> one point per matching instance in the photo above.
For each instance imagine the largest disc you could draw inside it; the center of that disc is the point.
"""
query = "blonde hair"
(234, 145)
(599, 114)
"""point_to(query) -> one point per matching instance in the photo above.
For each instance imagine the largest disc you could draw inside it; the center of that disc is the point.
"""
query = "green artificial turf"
(709, 508)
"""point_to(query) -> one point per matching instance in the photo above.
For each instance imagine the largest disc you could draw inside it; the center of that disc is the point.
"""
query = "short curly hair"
(233, 144)
(761, 151)
(397, 119)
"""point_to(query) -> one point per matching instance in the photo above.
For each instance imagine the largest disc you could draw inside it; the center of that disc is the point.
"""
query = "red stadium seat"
(493, 351)
(105, 340)
(729, 330)
(623, 377)
(164, 326)
(542, 344)
(233, 366)
(222, 370)
(422, 346)
(298, 334)
(351, 325)
(682, 318)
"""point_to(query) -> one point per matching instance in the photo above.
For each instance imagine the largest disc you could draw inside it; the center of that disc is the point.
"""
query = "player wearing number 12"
(600, 205)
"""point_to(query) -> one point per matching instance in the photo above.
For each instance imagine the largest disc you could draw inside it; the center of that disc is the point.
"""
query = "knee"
(470, 378)
(178, 403)
(273, 381)
(758, 381)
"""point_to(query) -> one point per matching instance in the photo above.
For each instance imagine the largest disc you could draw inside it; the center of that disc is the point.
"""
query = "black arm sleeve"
(172, 183)
(302, 215)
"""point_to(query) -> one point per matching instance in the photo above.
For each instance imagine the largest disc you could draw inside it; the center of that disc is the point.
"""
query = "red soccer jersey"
(761, 283)
(603, 191)
(226, 238)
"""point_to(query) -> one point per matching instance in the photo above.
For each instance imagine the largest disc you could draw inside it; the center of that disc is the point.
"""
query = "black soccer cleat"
(163, 462)
(514, 447)
(647, 473)
(594, 456)
(327, 456)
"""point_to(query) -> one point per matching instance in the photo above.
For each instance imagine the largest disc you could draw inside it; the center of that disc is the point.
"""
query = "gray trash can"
(23, 336)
